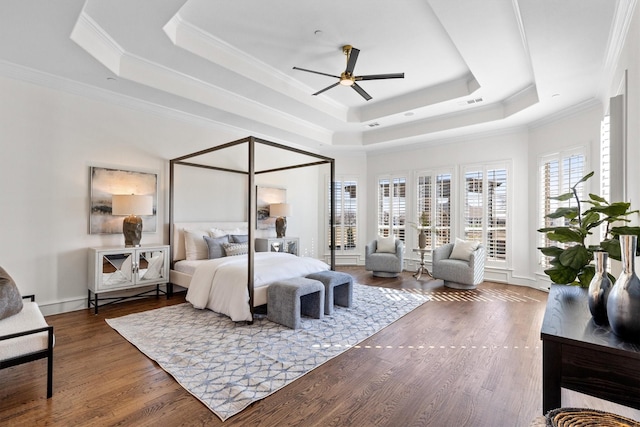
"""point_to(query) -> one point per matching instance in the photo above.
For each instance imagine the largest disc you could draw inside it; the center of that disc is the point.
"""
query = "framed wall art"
(104, 183)
(266, 196)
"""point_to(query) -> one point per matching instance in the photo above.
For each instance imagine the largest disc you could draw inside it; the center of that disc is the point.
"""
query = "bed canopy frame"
(251, 172)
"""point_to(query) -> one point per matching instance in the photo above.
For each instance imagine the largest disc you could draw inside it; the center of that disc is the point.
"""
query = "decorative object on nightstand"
(132, 205)
(275, 244)
(281, 211)
(117, 269)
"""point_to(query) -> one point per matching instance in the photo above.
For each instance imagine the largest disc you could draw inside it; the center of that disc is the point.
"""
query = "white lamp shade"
(280, 209)
(130, 204)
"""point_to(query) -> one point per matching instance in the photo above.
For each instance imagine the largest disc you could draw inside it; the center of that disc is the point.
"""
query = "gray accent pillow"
(215, 246)
(232, 249)
(239, 238)
(10, 299)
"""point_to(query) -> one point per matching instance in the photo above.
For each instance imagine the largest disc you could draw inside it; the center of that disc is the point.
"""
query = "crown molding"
(576, 109)
(619, 29)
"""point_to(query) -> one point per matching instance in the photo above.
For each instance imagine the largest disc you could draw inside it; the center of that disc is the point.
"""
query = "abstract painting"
(106, 182)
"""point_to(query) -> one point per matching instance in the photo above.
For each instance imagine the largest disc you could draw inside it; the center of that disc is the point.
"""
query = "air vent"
(374, 124)
(474, 101)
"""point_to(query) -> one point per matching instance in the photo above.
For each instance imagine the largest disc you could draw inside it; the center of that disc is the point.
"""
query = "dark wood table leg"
(551, 376)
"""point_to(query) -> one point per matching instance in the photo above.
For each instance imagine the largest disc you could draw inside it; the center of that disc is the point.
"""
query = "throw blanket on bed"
(221, 284)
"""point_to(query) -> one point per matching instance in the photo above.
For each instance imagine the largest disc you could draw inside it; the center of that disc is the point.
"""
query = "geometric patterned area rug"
(229, 365)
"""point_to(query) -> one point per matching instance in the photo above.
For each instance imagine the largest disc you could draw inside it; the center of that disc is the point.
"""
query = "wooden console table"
(579, 355)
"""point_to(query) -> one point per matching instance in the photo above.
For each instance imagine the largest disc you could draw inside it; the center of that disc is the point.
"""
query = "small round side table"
(423, 268)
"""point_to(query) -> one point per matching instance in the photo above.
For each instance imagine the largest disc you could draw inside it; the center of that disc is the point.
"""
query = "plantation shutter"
(345, 214)
(558, 173)
(392, 204)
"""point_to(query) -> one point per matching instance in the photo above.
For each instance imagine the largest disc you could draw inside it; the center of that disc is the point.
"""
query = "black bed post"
(171, 242)
(332, 217)
(251, 215)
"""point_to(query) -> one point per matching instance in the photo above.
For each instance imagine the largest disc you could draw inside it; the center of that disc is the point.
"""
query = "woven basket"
(578, 417)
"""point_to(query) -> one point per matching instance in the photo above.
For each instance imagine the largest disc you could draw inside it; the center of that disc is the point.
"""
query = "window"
(392, 205)
(434, 204)
(346, 214)
(557, 174)
(485, 209)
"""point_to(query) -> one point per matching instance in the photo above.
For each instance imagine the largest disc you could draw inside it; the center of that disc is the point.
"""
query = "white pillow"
(463, 249)
(218, 232)
(194, 245)
(386, 244)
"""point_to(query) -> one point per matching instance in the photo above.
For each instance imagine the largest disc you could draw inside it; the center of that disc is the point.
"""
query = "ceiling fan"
(347, 78)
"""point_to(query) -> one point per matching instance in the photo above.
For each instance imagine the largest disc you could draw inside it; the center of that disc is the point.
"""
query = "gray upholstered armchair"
(384, 264)
(458, 273)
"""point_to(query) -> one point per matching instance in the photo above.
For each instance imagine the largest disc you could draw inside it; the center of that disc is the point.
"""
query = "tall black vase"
(623, 303)
(599, 289)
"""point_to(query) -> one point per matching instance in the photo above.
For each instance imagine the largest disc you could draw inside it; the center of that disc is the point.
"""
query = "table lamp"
(131, 205)
(281, 211)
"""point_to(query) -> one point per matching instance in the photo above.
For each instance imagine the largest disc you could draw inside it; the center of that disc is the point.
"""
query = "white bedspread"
(221, 284)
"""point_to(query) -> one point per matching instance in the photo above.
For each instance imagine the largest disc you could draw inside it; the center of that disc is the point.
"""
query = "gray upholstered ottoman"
(338, 289)
(288, 299)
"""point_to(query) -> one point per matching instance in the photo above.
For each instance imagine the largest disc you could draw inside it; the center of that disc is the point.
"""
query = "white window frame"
(564, 182)
(484, 228)
(437, 233)
(340, 222)
(397, 210)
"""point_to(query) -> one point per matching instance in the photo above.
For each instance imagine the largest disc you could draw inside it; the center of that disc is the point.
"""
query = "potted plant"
(571, 264)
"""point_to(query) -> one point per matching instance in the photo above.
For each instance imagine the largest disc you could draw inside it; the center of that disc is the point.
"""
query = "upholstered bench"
(338, 289)
(288, 299)
(25, 337)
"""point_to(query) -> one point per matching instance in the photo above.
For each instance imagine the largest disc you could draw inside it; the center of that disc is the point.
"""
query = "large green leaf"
(591, 220)
(614, 209)
(575, 257)
(612, 246)
(583, 179)
(551, 251)
(565, 235)
(585, 276)
(597, 198)
(625, 230)
(563, 197)
(561, 275)
(569, 212)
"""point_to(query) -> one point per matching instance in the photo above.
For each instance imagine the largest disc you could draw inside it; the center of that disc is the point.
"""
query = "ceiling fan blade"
(351, 63)
(316, 72)
(361, 91)
(381, 76)
(326, 88)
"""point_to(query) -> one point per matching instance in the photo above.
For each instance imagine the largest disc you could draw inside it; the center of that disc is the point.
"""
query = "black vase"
(599, 289)
(623, 303)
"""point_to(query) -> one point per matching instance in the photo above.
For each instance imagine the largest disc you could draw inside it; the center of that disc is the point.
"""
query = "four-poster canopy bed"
(290, 265)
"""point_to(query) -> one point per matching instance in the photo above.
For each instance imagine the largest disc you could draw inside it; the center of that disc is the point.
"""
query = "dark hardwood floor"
(461, 359)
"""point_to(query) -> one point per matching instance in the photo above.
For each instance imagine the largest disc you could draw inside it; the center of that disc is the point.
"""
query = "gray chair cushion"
(10, 299)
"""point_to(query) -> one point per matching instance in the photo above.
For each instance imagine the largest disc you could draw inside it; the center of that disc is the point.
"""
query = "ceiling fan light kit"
(347, 78)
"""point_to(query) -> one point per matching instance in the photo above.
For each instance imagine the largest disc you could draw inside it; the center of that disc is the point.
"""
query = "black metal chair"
(31, 316)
